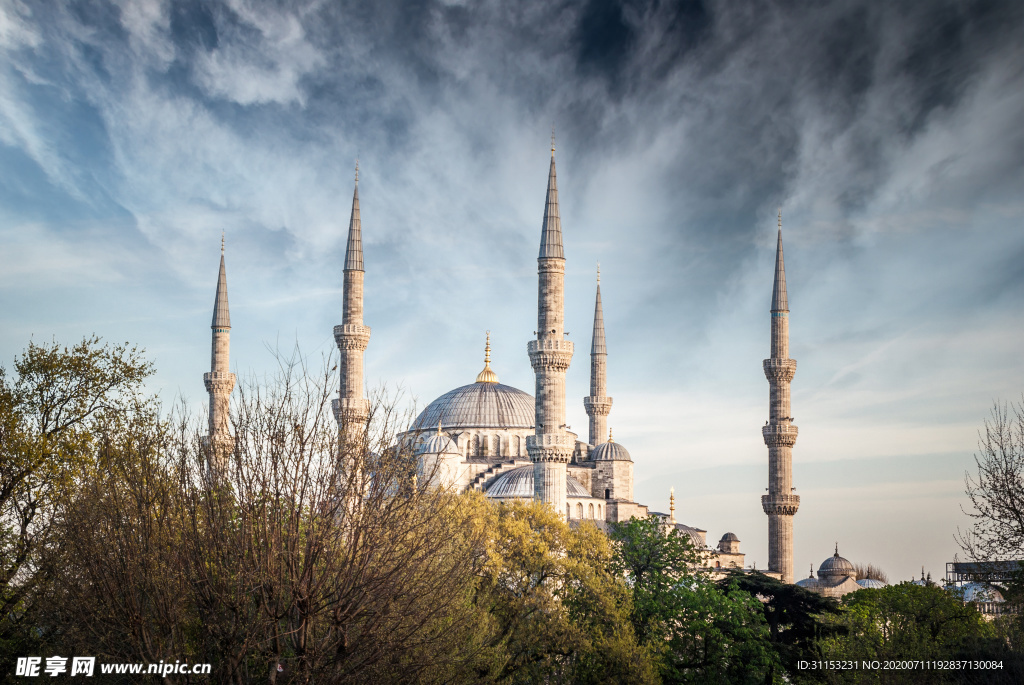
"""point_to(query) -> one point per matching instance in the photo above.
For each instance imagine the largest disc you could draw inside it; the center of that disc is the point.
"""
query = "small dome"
(809, 583)
(729, 537)
(438, 444)
(610, 451)
(871, 583)
(980, 592)
(835, 568)
(518, 484)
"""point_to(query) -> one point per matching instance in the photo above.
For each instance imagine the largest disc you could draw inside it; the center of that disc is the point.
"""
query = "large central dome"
(478, 405)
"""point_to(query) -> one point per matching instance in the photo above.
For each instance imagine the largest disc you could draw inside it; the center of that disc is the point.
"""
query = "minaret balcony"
(601, 406)
(557, 447)
(351, 409)
(550, 355)
(779, 434)
(352, 336)
(779, 369)
(219, 381)
(780, 505)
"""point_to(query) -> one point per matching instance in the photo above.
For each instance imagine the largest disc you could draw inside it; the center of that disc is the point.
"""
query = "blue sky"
(133, 133)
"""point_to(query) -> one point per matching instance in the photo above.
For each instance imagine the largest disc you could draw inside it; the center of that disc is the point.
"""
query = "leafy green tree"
(561, 614)
(52, 409)
(793, 617)
(700, 633)
(905, 621)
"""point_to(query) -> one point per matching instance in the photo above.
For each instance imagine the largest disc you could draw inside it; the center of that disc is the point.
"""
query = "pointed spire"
(551, 236)
(221, 316)
(672, 504)
(354, 251)
(779, 301)
(598, 345)
(487, 375)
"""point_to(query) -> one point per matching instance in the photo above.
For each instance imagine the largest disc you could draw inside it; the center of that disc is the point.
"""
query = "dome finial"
(487, 375)
(610, 438)
(439, 425)
(812, 571)
(837, 548)
(552, 140)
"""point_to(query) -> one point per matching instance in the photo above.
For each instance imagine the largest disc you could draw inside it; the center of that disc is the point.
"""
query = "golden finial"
(780, 218)
(222, 243)
(610, 438)
(487, 376)
(357, 171)
(552, 140)
(439, 425)
(599, 273)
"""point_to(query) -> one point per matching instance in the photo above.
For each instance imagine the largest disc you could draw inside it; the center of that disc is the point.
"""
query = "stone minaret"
(598, 404)
(352, 409)
(551, 446)
(219, 382)
(780, 504)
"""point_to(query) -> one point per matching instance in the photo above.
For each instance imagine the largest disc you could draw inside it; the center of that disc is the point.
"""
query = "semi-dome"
(610, 451)
(518, 484)
(693, 534)
(835, 567)
(438, 444)
(871, 583)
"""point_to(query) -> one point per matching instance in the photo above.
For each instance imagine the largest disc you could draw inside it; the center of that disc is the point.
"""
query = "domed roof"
(871, 583)
(729, 537)
(483, 404)
(693, 534)
(518, 483)
(438, 444)
(610, 451)
(980, 592)
(836, 567)
(809, 583)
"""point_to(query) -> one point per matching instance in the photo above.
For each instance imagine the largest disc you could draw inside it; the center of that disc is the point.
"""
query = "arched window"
(568, 511)
(718, 564)
(591, 511)
(579, 510)
(515, 446)
(599, 514)
(476, 445)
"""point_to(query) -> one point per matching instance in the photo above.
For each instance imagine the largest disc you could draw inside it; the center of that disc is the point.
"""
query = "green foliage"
(700, 633)
(52, 412)
(792, 614)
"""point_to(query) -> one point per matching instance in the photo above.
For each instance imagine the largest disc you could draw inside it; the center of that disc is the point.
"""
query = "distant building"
(836, 577)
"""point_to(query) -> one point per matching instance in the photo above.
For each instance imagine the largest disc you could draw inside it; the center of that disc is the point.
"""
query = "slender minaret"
(352, 409)
(780, 504)
(551, 446)
(219, 382)
(598, 404)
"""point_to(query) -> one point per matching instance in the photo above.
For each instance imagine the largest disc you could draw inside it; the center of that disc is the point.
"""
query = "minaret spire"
(220, 381)
(551, 446)
(780, 504)
(598, 404)
(352, 409)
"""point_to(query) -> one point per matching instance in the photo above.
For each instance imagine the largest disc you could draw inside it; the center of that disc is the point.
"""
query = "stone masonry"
(551, 446)
(220, 381)
(352, 409)
(780, 504)
(598, 404)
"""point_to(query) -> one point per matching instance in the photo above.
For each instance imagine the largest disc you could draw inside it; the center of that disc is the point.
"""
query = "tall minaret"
(219, 382)
(780, 504)
(598, 404)
(551, 447)
(352, 409)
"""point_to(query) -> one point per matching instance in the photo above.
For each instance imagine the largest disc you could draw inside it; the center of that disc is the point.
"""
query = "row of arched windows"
(591, 511)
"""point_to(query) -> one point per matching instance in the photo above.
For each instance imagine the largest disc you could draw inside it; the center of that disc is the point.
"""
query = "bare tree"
(870, 571)
(305, 560)
(997, 490)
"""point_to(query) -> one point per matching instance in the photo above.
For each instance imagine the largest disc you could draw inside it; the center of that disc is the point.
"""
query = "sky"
(133, 133)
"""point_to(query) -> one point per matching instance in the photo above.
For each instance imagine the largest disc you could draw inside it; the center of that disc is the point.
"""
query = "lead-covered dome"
(871, 583)
(438, 444)
(835, 568)
(518, 484)
(478, 405)
(610, 451)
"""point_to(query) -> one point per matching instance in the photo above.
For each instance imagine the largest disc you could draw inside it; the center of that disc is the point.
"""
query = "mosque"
(508, 444)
